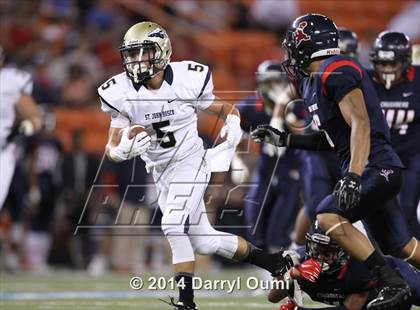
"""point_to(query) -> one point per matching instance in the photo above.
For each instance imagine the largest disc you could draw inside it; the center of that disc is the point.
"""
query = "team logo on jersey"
(299, 35)
(386, 173)
(157, 33)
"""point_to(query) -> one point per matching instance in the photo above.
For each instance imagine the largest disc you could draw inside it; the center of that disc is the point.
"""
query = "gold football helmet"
(146, 50)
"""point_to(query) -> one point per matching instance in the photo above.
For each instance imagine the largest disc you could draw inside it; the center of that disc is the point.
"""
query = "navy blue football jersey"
(322, 93)
(401, 107)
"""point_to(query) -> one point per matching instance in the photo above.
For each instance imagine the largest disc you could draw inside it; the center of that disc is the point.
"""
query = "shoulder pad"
(111, 92)
(191, 75)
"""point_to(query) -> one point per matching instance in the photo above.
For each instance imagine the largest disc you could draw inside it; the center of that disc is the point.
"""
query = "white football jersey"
(168, 113)
(13, 84)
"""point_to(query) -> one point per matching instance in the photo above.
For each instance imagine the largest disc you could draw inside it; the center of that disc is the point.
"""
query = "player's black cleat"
(393, 289)
(179, 305)
(389, 297)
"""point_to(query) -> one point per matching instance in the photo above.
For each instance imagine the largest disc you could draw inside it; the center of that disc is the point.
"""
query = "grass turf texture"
(112, 291)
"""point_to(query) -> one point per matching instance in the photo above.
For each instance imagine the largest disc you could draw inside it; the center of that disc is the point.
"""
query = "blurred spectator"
(58, 8)
(79, 89)
(275, 15)
(103, 16)
(408, 22)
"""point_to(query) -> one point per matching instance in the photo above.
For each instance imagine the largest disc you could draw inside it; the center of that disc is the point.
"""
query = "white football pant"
(181, 186)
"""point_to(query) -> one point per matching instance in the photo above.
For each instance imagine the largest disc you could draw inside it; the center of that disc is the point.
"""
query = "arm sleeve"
(339, 78)
(205, 97)
(317, 141)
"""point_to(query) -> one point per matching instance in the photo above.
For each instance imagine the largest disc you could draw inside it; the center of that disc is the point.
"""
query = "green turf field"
(61, 290)
(146, 304)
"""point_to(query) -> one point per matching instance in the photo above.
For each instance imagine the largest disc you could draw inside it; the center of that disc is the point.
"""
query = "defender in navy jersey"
(271, 206)
(344, 105)
(320, 171)
(329, 275)
(397, 83)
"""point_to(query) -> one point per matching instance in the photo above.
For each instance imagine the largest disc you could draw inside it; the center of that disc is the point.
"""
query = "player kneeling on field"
(329, 275)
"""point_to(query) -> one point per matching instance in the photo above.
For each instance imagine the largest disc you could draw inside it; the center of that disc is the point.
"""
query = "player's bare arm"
(222, 109)
(232, 128)
(354, 112)
(114, 138)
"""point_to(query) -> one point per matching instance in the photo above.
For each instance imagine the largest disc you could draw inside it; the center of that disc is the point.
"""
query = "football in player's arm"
(160, 98)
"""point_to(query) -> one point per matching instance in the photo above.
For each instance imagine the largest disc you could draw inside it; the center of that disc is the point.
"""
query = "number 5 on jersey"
(166, 139)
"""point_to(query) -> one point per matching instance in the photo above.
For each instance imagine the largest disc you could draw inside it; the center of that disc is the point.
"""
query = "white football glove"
(232, 130)
(129, 148)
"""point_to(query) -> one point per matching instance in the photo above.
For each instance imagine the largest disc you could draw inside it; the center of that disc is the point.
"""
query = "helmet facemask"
(389, 70)
(391, 57)
(326, 251)
(142, 61)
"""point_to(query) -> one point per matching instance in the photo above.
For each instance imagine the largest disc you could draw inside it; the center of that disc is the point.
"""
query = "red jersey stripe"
(334, 66)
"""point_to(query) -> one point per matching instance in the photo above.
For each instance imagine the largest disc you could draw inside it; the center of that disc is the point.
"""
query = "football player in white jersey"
(15, 103)
(163, 98)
